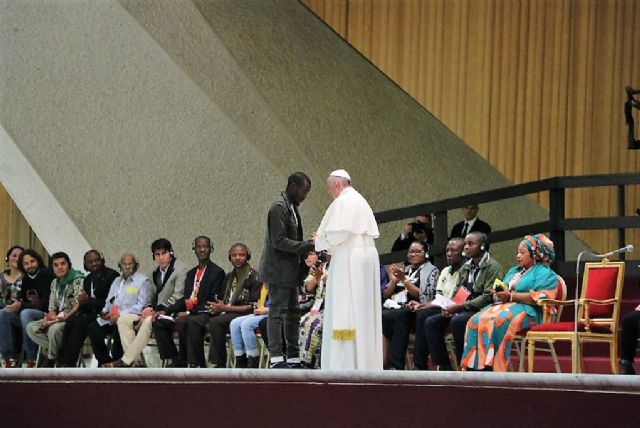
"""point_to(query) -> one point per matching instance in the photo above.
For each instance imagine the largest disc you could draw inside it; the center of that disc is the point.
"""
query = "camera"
(417, 227)
(322, 258)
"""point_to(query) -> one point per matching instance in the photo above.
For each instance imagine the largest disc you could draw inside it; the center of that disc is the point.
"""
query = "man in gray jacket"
(281, 269)
(167, 286)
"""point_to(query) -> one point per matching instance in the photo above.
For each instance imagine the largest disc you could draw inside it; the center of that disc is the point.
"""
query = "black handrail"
(557, 224)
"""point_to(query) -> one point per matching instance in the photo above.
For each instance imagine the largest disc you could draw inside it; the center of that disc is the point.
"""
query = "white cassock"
(352, 330)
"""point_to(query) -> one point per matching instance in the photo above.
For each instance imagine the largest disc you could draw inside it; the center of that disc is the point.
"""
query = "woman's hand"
(396, 274)
(503, 296)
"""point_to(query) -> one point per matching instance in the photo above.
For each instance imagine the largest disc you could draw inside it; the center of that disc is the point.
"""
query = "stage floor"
(283, 398)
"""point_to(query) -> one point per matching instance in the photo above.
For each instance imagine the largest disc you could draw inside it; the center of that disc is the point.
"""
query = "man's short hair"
(457, 240)
(61, 255)
(33, 253)
(202, 237)
(299, 179)
(161, 244)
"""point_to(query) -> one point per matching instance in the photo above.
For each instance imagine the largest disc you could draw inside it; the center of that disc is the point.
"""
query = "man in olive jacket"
(280, 268)
(477, 276)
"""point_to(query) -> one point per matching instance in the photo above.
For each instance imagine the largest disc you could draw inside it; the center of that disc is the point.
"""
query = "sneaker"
(10, 363)
(31, 364)
(279, 365)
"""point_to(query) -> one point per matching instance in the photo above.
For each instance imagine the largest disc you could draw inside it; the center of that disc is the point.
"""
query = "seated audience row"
(119, 312)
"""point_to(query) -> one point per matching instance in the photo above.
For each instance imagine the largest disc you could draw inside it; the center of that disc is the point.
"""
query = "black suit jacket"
(478, 226)
(101, 282)
(211, 285)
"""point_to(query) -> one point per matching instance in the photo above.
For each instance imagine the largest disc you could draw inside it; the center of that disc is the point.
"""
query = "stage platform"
(287, 398)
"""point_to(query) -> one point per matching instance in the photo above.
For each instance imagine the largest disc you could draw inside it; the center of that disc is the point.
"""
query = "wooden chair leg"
(530, 354)
(521, 351)
(613, 356)
(554, 357)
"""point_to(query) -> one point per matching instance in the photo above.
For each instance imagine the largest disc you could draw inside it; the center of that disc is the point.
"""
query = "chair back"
(602, 281)
(561, 294)
(551, 312)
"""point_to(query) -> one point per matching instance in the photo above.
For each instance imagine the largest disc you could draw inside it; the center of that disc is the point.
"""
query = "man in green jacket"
(477, 275)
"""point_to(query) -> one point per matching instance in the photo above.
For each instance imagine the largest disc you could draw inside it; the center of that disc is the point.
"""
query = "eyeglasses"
(415, 252)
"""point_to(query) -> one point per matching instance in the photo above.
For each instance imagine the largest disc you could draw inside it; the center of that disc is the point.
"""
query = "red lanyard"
(196, 281)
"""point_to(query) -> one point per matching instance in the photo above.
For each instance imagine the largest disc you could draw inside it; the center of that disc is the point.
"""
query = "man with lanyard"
(477, 276)
(91, 299)
(281, 268)
(242, 291)
(203, 283)
(447, 286)
(63, 303)
(167, 287)
(128, 295)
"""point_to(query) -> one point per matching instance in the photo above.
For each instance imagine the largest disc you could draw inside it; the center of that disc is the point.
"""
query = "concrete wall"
(162, 118)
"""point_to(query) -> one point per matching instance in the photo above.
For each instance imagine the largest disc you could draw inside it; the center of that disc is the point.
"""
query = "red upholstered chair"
(550, 314)
(598, 316)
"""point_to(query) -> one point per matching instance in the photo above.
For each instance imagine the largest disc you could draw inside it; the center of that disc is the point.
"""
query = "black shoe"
(445, 368)
(48, 363)
(241, 362)
(626, 367)
(177, 364)
(253, 362)
(279, 365)
(296, 366)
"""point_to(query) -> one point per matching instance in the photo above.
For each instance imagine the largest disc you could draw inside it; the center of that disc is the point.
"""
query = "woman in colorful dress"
(491, 331)
(311, 323)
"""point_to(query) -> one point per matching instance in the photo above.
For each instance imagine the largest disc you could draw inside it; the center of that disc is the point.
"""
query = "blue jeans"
(29, 346)
(8, 321)
(243, 335)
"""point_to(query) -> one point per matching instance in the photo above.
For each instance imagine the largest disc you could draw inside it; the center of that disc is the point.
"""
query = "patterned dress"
(491, 331)
(311, 331)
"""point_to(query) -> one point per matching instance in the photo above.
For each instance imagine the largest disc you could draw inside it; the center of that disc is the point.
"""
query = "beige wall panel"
(164, 118)
(535, 87)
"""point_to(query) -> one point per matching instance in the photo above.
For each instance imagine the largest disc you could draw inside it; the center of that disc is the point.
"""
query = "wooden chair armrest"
(598, 302)
(545, 302)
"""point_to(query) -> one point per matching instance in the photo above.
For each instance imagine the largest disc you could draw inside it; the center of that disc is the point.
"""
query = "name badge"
(132, 290)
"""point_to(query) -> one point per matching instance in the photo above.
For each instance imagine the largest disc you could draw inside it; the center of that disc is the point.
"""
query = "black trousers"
(421, 347)
(73, 336)
(262, 325)
(434, 329)
(395, 328)
(218, 329)
(98, 335)
(284, 312)
(629, 335)
(196, 330)
(163, 332)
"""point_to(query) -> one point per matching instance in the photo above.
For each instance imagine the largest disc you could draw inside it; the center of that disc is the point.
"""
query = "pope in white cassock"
(352, 330)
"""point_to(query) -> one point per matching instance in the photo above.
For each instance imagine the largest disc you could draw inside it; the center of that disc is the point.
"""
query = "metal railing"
(557, 224)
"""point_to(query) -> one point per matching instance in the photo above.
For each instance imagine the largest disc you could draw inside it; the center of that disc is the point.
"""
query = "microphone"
(628, 249)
